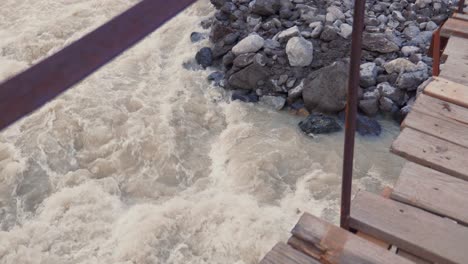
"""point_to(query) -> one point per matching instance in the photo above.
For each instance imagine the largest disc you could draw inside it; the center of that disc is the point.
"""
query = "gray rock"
(325, 89)
(411, 31)
(317, 31)
(275, 102)
(244, 60)
(399, 65)
(369, 107)
(196, 36)
(319, 124)
(271, 44)
(366, 126)
(265, 7)
(368, 74)
(373, 94)
(329, 33)
(300, 52)
(204, 57)
(296, 93)
(411, 80)
(388, 91)
(409, 50)
(385, 104)
(431, 26)
(287, 34)
(379, 42)
(249, 77)
(334, 13)
(346, 30)
(249, 44)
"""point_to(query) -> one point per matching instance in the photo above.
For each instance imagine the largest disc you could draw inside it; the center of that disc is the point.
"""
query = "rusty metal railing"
(351, 112)
(31, 89)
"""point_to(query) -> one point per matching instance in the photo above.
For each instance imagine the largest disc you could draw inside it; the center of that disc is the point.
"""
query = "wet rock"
(300, 52)
(368, 74)
(244, 97)
(204, 57)
(366, 126)
(219, 31)
(216, 77)
(319, 124)
(275, 102)
(325, 89)
(249, 77)
(265, 7)
(249, 44)
(378, 42)
(196, 36)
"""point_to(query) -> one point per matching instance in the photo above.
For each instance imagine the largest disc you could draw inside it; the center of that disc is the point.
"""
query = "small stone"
(300, 52)
(216, 76)
(369, 107)
(265, 7)
(276, 102)
(296, 93)
(368, 74)
(431, 26)
(388, 91)
(317, 31)
(411, 80)
(196, 37)
(319, 124)
(385, 104)
(409, 50)
(282, 79)
(287, 34)
(329, 33)
(378, 42)
(366, 126)
(334, 13)
(249, 44)
(204, 57)
(399, 65)
(411, 31)
(346, 30)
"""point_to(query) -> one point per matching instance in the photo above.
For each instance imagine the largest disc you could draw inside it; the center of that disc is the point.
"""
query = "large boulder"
(265, 7)
(249, 77)
(300, 52)
(325, 89)
(378, 42)
(249, 44)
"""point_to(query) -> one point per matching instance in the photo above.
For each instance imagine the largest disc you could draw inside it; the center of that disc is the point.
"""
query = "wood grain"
(340, 246)
(449, 91)
(443, 128)
(454, 27)
(420, 233)
(440, 109)
(282, 253)
(432, 191)
(432, 152)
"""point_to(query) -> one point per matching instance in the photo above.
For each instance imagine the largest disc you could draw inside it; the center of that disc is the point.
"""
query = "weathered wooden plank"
(432, 191)
(284, 254)
(448, 91)
(456, 46)
(443, 128)
(432, 152)
(373, 240)
(460, 16)
(455, 69)
(340, 246)
(441, 109)
(455, 27)
(414, 230)
(412, 257)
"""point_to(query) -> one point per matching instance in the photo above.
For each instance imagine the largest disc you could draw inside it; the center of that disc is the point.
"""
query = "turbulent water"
(145, 162)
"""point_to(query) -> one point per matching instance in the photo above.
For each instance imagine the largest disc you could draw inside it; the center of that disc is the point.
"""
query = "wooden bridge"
(424, 218)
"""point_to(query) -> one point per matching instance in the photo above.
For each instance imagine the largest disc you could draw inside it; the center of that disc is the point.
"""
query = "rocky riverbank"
(293, 54)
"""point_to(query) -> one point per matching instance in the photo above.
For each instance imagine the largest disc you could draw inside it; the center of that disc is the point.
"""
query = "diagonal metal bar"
(31, 89)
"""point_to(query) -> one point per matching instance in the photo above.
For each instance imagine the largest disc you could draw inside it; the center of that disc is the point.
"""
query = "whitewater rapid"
(145, 162)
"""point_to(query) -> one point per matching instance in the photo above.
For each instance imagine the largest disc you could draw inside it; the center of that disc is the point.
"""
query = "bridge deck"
(424, 219)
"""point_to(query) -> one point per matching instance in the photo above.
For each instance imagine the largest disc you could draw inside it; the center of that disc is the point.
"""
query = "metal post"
(461, 6)
(351, 112)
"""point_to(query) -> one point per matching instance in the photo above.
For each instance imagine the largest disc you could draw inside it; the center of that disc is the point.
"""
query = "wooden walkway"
(424, 218)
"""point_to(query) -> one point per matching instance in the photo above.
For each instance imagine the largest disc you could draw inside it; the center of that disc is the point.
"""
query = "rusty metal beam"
(31, 89)
(351, 111)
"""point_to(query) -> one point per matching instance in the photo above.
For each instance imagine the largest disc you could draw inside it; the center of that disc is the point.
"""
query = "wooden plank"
(432, 191)
(432, 152)
(455, 27)
(455, 69)
(456, 46)
(373, 240)
(341, 246)
(412, 257)
(414, 230)
(448, 91)
(454, 132)
(440, 109)
(460, 16)
(282, 254)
